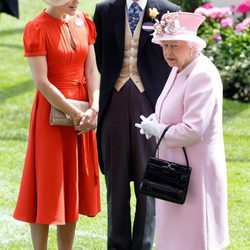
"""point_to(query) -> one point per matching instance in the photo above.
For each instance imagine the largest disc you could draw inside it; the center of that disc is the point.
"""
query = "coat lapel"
(144, 34)
(118, 17)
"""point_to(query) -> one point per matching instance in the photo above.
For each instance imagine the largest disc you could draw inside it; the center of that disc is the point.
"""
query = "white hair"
(196, 46)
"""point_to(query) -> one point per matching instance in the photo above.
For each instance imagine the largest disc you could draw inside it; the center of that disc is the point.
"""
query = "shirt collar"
(142, 3)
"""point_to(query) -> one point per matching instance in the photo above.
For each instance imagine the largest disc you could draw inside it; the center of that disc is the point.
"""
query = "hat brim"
(180, 37)
(58, 3)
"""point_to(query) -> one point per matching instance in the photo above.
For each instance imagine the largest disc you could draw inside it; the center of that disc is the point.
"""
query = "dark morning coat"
(109, 19)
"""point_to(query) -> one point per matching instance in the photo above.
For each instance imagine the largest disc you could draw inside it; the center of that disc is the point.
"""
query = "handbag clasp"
(169, 167)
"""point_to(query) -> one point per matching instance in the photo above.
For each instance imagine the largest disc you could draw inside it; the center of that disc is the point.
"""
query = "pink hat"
(56, 2)
(181, 26)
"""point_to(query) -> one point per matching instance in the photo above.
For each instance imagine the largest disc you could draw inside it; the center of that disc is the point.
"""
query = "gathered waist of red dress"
(62, 82)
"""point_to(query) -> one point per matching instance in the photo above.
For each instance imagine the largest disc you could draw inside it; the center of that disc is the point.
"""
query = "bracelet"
(94, 109)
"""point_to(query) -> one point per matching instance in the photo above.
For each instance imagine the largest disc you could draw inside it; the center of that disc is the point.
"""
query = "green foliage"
(228, 46)
(189, 5)
(229, 49)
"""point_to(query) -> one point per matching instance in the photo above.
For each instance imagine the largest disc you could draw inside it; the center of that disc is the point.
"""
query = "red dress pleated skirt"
(61, 176)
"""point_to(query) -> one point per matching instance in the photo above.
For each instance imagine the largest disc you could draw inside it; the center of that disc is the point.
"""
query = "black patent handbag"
(164, 179)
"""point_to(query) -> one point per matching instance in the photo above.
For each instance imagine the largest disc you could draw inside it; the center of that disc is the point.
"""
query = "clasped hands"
(149, 126)
(85, 121)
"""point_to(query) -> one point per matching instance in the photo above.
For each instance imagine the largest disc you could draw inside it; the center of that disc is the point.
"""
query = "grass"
(16, 96)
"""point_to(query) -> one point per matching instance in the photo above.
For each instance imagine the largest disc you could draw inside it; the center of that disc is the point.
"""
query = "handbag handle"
(158, 143)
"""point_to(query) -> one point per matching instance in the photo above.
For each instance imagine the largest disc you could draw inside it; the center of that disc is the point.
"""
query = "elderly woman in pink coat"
(192, 101)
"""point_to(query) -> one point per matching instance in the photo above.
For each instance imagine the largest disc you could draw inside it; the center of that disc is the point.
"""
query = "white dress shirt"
(142, 3)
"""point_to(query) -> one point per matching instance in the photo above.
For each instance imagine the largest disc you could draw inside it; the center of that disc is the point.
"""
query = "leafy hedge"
(189, 5)
(228, 46)
(227, 33)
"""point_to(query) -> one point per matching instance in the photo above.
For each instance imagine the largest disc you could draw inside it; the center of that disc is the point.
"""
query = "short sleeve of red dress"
(34, 40)
(91, 28)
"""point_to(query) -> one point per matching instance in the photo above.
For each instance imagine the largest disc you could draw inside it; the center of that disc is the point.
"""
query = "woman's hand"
(149, 126)
(87, 122)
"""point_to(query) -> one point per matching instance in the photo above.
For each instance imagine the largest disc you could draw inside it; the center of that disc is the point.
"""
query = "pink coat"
(192, 101)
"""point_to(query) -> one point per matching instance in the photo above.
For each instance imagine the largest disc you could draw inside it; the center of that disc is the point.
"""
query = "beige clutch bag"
(58, 118)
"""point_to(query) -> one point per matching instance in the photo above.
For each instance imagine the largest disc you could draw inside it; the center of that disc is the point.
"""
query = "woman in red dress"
(60, 178)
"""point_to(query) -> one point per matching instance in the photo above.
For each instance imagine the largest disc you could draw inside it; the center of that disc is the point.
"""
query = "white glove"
(151, 118)
(151, 126)
(138, 125)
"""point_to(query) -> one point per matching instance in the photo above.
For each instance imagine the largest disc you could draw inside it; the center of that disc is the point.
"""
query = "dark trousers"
(125, 153)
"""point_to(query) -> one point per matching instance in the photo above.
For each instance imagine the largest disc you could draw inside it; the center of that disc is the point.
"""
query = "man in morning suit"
(133, 73)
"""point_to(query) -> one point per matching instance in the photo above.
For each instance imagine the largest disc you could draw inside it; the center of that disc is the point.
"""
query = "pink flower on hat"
(179, 26)
(169, 24)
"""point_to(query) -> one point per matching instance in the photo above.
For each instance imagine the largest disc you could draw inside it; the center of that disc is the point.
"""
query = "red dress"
(60, 176)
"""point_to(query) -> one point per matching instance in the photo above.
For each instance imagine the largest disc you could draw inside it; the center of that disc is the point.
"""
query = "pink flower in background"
(225, 16)
(217, 37)
(247, 21)
(243, 25)
(202, 11)
(215, 12)
(227, 22)
(207, 6)
(244, 7)
(240, 27)
(221, 13)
